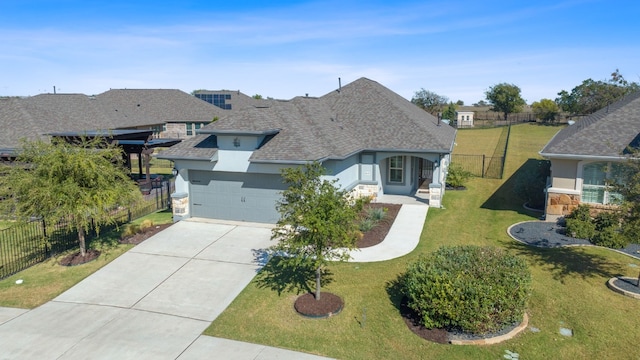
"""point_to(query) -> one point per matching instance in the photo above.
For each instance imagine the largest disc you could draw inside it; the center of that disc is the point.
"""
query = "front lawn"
(568, 288)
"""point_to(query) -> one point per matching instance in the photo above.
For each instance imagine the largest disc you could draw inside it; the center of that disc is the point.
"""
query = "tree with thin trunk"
(82, 183)
(317, 222)
(505, 98)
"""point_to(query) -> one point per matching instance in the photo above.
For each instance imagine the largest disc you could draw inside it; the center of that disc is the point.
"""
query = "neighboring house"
(369, 139)
(464, 119)
(225, 99)
(167, 113)
(588, 153)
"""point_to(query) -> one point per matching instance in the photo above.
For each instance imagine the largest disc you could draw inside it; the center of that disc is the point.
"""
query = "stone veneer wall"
(363, 191)
(562, 204)
(180, 204)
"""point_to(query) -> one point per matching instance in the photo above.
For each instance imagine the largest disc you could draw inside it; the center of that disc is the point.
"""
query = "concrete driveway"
(153, 302)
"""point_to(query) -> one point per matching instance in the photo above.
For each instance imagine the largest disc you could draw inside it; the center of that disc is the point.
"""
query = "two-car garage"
(235, 196)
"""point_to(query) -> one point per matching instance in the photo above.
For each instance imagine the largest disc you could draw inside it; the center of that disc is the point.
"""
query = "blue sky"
(283, 49)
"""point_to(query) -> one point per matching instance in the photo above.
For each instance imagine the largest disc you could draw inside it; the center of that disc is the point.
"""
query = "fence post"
(483, 156)
(44, 237)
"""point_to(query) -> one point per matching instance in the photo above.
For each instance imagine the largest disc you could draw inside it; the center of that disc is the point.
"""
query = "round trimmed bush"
(469, 288)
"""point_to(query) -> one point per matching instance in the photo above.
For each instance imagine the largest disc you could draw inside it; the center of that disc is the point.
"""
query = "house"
(225, 99)
(586, 154)
(464, 119)
(166, 114)
(368, 138)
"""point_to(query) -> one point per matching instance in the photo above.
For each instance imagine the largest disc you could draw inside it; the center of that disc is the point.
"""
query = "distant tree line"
(505, 98)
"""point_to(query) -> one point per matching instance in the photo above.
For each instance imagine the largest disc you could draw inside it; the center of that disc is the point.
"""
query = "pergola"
(140, 142)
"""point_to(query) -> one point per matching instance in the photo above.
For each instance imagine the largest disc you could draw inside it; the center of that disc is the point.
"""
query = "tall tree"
(430, 101)
(546, 110)
(317, 222)
(505, 98)
(591, 96)
(81, 183)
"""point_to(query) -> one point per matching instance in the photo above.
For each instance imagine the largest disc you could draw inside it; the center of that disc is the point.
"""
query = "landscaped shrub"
(457, 176)
(582, 212)
(376, 214)
(130, 230)
(366, 225)
(469, 288)
(580, 229)
(371, 218)
(606, 219)
(610, 237)
(579, 223)
(145, 224)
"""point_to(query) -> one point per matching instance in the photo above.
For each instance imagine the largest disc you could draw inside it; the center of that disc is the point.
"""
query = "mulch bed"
(412, 320)
(92, 254)
(328, 305)
(548, 234)
(442, 336)
(626, 284)
(377, 234)
(77, 259)
(144, 235)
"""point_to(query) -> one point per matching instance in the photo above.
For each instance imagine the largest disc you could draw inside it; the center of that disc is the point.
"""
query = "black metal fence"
(24, 245)
(491, 167)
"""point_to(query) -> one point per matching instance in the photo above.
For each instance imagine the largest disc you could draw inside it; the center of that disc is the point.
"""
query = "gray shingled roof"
(238, 100)
(135, 107)
(362, 115)
(199, 147)
(605, 133)
(34, 116)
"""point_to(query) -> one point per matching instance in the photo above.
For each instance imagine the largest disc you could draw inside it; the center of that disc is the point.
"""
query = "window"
(396, 169)
(189, 129)
(594, 182)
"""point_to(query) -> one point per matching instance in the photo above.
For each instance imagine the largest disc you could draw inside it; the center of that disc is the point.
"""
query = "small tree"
(317, 222)
(81, 183)
(505, 98)
(449, 112)
(545, 110)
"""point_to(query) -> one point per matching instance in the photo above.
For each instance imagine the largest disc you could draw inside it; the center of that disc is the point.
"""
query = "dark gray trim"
(238, 132)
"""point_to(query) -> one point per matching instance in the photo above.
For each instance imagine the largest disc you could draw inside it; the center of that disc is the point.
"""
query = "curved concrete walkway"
(154, 301)
(403, 237)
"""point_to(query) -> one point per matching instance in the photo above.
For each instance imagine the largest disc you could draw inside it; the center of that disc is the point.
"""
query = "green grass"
(45, 281)
(477, 141)
(568, 288)
(5, 224)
